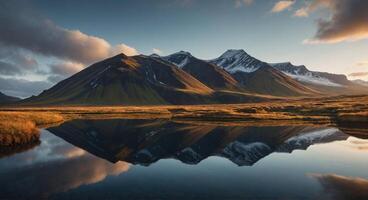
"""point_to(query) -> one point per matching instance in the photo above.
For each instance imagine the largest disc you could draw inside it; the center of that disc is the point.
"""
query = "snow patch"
(183, 63)
(310, 78)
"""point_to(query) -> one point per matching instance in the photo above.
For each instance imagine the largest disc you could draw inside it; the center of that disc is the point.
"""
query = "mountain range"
(181, 78)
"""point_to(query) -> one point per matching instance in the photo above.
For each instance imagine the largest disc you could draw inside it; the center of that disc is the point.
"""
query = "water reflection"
(147, 141)
(155, 159)
(341, 187)
(54, 167)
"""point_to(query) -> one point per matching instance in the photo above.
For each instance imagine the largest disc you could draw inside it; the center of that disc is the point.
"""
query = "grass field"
(20, 125)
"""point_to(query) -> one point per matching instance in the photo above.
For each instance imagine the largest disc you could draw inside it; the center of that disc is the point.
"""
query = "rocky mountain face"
(211, 75)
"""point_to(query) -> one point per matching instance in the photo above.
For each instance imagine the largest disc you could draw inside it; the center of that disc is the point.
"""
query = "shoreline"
(338, 111)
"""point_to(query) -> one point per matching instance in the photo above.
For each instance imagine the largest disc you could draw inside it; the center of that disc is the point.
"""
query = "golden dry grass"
(22, 127)
(318, 111)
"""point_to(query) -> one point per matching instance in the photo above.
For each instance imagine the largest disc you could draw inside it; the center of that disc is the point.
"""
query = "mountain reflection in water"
(157, 159)
(147, 141)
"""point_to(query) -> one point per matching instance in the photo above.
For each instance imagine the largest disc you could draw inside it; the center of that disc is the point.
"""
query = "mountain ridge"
(181, 78)
(5, 99)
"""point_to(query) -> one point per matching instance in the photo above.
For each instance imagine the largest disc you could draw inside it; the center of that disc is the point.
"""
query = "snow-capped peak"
(179, 59)
(233, 52)
(237, 61)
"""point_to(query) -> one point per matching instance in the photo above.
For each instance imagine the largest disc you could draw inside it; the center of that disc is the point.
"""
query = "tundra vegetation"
(20, 125)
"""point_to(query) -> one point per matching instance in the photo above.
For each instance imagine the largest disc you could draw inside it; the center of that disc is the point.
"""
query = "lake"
(158, 159)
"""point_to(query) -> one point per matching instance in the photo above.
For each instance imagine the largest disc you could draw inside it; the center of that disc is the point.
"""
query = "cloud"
(362, 64)
(21, 29)
(123, 48)
(8, 69)
(18, 59)
(66, 68)
(157, 51)
(240, 3)
(312, 6)
(348, 21)
(26, 35)
(282, 5)
(302, 12)
(358, 74)
(21, 87)
(342, 187)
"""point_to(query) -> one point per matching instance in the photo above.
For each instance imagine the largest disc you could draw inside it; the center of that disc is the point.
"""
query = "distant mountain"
(259, 77)
(324, 82)
(361, 82)
(211, 75)
(4, 99)
(147, 141)
(136, 80)
(302, 74)
(239, 62)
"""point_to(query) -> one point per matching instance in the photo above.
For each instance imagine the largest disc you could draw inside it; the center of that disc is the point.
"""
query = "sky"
(43, 42)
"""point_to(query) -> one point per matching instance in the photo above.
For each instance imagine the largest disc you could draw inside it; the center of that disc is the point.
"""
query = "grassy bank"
(23, 127)
(20, 124)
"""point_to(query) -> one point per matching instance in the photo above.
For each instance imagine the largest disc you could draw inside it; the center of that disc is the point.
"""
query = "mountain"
(211, 75)
(259, 77)
(181, 78)
(147, 141)
(302, 74)
(241, 65)
(361, 82)
(126, 80)
(326, 83)
(4, 99)
(136, 80)
(235, 61)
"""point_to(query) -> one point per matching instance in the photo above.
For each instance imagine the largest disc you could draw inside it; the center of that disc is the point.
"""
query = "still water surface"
(153, 159)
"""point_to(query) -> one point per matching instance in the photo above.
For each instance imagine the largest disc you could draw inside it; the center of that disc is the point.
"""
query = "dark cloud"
(23, 29)
(348, 21)
(21, 87)
(25, 35)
